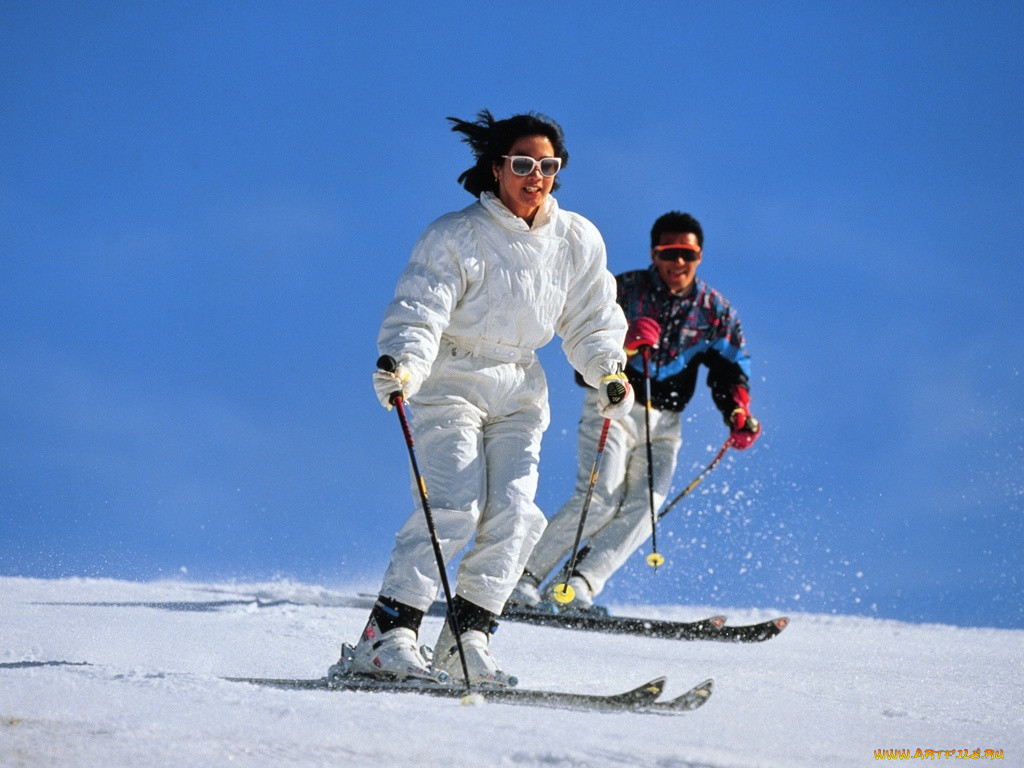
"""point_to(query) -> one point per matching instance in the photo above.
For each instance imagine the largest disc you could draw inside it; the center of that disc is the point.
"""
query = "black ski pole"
(696, 481)
(654, 559)
(387, 363)
(563, 593)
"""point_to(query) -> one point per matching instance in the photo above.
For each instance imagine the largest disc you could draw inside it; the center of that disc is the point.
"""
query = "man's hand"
(642, 332)
(745, 428)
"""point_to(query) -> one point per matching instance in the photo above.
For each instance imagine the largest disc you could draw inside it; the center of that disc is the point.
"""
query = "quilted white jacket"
(489, 283)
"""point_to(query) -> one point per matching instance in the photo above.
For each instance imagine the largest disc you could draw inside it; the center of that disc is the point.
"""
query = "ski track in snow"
(103, 673)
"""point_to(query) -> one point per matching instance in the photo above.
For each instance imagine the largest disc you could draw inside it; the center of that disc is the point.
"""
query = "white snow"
(829, 691)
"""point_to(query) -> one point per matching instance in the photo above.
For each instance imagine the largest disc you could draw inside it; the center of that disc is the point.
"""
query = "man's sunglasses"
(523, 165)
(676, 251)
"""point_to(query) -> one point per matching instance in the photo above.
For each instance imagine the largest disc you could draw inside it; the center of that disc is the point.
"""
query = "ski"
(752, 633)
(642, 699)
(599, 620)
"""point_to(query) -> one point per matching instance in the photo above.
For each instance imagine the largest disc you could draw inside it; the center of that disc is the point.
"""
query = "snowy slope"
(829, 691)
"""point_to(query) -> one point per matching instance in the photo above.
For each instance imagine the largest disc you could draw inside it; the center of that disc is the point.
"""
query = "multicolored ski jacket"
(698, 329)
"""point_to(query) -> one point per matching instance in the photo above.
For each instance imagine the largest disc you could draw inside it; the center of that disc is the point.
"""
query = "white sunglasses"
(524, 165)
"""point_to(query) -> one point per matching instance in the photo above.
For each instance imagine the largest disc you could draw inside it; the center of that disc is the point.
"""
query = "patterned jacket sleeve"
(728, 364)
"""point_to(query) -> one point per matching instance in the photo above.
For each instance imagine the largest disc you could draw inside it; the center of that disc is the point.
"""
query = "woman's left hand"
(615, 396)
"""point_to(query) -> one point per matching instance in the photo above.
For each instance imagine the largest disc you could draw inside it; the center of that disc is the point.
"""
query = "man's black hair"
(490, 139)
(674, 221)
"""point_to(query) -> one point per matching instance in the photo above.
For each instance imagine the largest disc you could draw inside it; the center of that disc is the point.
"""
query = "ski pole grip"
(616, 391)
(389, 364)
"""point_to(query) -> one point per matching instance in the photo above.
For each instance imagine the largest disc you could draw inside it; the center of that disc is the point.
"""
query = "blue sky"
(204, 208)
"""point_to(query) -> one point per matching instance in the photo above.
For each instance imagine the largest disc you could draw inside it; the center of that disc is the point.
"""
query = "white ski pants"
(477, 427)
(619, 517)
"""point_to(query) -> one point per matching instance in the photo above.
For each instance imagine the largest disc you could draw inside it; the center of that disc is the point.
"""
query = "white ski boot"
(483, 670)
(525, 594)
(583, 598)
(392, 655)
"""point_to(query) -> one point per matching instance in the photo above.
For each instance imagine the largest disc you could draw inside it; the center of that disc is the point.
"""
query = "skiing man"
(684, 323)
(484, 288)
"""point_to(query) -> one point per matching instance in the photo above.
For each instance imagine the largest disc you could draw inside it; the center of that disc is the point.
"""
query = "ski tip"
(656, 686)
(782, 622)
(703, 691)
(695, 698)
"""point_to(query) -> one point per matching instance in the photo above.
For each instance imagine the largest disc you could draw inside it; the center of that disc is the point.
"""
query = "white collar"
(492, 203)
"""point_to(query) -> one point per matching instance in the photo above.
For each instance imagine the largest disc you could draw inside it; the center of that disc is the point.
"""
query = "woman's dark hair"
(674, 221)
(490, 139)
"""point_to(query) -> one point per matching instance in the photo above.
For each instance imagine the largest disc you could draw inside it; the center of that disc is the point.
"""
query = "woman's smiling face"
(523, 195)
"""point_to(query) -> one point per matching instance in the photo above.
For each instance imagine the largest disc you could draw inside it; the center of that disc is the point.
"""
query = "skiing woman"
(485, 287)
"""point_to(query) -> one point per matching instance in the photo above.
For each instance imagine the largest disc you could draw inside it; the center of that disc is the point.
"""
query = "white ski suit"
(481, 292)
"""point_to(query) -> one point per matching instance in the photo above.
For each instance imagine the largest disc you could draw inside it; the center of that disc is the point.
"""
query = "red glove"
(745, 428)
(642, 332)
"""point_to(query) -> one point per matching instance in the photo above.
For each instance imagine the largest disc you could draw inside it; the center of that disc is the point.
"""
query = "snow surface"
(829, 691)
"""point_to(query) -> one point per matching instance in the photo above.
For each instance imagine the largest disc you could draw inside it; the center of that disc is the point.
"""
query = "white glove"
(401, 380)
(615, 396)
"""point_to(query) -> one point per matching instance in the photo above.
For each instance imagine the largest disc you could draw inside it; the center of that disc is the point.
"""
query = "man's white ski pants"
(619, 517)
